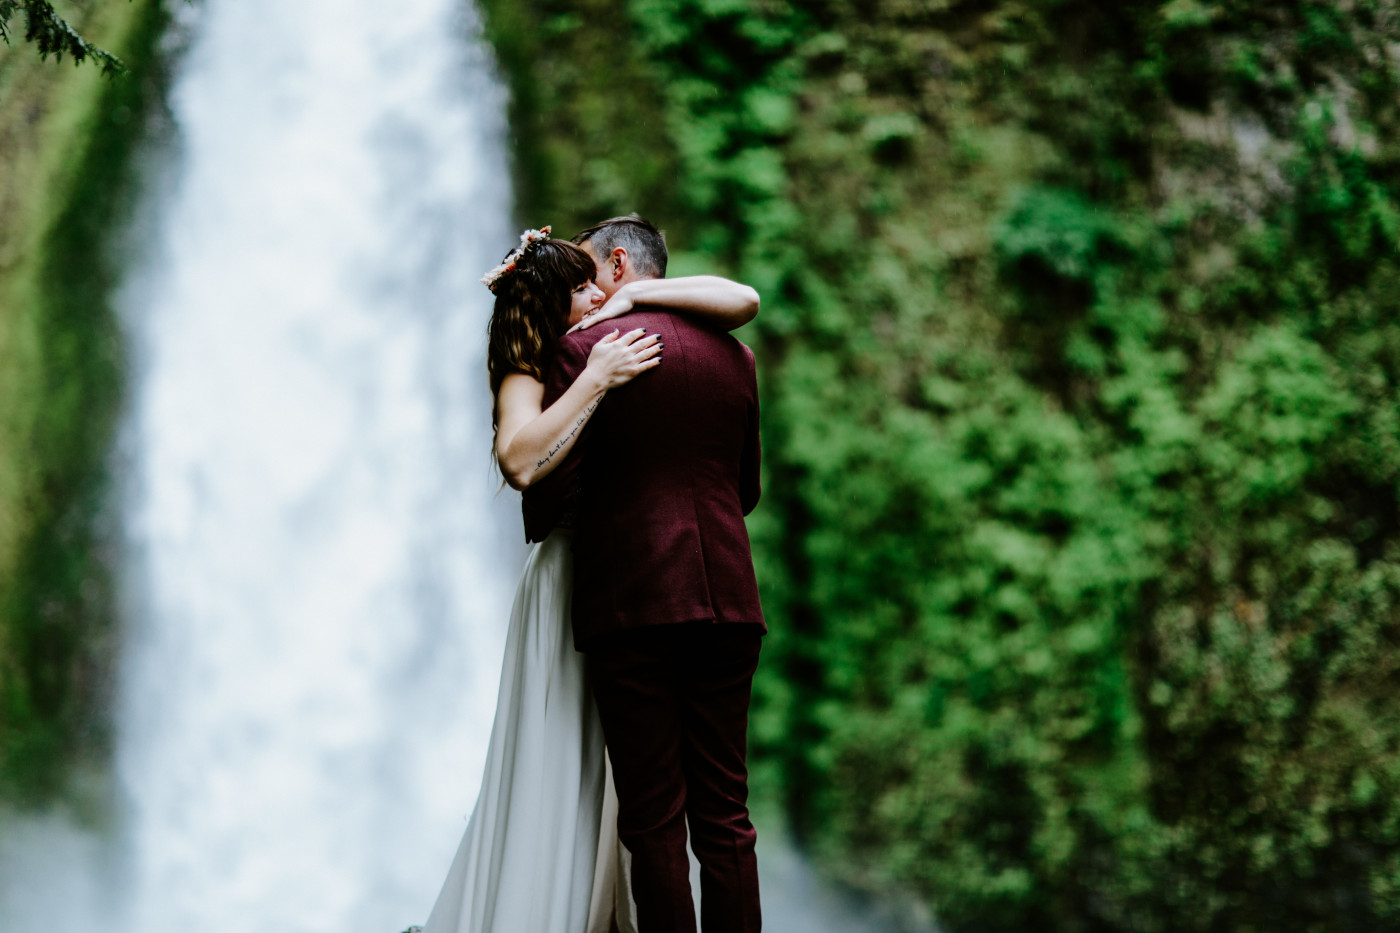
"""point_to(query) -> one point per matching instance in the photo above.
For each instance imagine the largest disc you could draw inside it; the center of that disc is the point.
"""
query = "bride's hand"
(619, 304)
(617, 360)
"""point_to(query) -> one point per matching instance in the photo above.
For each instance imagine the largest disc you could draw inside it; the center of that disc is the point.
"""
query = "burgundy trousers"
(674, 702)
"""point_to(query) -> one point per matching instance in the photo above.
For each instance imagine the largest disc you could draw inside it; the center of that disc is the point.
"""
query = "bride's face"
(586, 298)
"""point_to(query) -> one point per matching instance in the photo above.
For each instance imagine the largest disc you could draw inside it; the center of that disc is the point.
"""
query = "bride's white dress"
(530, 859)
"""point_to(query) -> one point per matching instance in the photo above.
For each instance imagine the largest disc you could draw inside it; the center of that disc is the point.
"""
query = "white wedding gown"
(530, 859)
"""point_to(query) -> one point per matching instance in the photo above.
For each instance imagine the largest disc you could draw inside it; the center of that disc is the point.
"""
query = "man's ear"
(618, 261)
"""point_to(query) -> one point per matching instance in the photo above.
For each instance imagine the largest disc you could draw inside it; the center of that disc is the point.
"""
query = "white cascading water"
(318, 579)
(318, 637)
(318, 566)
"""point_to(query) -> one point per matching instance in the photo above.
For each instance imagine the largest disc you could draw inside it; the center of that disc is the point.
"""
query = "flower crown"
(528, 239)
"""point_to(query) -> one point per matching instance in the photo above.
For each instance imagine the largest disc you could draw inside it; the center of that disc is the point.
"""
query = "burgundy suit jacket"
(661, 479)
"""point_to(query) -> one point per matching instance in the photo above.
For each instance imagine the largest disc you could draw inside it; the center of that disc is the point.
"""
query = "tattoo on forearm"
(559, 445)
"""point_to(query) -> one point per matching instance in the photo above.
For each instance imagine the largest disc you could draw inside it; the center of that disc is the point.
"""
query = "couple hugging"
(637, 622)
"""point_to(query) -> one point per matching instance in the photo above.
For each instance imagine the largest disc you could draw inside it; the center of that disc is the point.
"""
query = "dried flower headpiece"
(527, 240)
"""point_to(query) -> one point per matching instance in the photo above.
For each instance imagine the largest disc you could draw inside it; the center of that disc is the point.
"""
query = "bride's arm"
(722, 302)
(531, 442)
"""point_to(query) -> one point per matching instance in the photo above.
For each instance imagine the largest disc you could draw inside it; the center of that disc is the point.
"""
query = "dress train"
(540, 853)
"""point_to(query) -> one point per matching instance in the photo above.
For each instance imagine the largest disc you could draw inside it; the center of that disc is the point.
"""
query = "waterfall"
(320, 626)
(317, 576)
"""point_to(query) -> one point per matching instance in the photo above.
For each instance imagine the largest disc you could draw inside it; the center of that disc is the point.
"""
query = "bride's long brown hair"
(532, 310)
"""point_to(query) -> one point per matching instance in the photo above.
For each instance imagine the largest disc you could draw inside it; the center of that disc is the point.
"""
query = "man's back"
(668, 469)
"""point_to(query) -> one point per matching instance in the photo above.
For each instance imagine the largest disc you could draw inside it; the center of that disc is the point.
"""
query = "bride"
(540, 853)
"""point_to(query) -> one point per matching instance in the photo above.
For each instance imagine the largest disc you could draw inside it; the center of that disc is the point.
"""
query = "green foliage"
(586, 127)
(53, 35)
(1081, 541)
(59, 396)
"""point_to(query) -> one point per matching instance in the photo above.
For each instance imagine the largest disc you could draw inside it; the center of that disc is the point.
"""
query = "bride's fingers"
(632, 336)
(648, 351)
(646, 343)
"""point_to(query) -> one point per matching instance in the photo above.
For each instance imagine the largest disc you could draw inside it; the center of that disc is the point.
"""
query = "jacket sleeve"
(546, 499)
(749, 486)
(566, 363)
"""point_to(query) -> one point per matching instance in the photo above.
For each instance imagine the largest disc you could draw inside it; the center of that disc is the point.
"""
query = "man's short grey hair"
(645, 245)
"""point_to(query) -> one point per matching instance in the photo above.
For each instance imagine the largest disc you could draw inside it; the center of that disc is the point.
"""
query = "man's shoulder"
(647, 316)
(572, 349)
(583, 339)
(654, 317)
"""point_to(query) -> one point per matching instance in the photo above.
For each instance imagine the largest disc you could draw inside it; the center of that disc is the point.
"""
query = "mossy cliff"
(1080, 546)
(66, 136)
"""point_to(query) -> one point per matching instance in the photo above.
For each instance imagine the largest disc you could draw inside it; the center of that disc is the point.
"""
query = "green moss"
(587, 130)
(1080, 545)
(69, 136)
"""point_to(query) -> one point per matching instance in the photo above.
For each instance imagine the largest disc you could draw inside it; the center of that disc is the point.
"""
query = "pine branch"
(53, 35)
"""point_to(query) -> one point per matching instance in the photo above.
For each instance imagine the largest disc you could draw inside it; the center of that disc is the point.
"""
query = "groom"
(665, 604)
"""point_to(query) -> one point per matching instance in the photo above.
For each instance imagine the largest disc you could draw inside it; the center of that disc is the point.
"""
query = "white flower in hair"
(527, 239)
